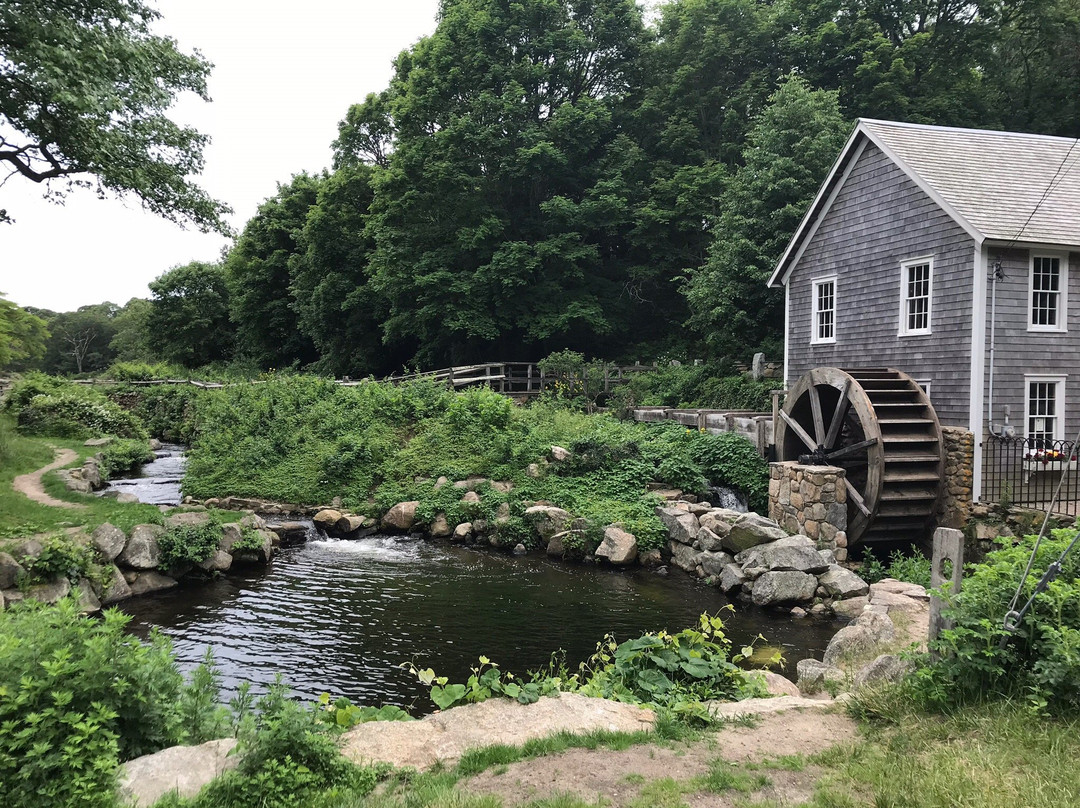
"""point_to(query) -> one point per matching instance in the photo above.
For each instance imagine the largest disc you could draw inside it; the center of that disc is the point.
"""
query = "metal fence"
(1026, 471)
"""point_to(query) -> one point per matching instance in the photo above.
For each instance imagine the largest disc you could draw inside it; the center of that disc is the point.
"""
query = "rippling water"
(342, 616)
(158, 482)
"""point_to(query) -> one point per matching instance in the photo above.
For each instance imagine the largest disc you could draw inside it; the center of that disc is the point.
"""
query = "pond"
(341, 616)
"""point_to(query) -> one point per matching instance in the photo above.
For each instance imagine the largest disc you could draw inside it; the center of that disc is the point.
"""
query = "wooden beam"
(819, 421)
(856, 497)
(838, 415)
(798, 430)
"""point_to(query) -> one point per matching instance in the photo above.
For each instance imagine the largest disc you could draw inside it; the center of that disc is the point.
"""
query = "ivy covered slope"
(307, 440)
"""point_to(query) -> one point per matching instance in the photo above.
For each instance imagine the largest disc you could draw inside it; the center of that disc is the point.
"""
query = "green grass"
(475, 761)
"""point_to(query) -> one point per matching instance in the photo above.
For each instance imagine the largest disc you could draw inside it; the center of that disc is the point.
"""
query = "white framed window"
(916, 294)
(925, 385)
(1044, 412)
(823, 327)
(1048, 282)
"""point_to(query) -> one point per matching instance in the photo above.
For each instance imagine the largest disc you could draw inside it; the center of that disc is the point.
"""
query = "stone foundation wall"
(954, 507)
(812, 501)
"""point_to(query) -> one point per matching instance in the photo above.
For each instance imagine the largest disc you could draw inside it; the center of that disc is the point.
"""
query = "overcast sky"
(284, 75)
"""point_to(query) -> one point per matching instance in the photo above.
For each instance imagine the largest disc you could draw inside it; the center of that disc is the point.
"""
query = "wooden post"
(607, 381)
(450, 378)
(948, 546)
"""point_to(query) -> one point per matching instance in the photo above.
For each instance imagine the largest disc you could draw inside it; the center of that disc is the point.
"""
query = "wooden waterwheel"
(879, 426)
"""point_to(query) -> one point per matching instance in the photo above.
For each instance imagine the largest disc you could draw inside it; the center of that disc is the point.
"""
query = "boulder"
(719, 520)
(220, 561)
(261, 554)
(230, 535)
(439, 483)
(881, 628)
(683, 556)
(10, 570)
(708, 541)
(850, 642)
(502, 486)
(148, 582)
(791, 553)
(895, 587)
(842, 583)
(547, 519)
(91, 473)
(850, 607)
(31, 548)
(814, 675)
(109, 541)
(502, 513)
(141, 551)
(183, 769)
(670, 494)
(731, 578)
(463, 531)
(51, 592)
(470, 483)
(349, 523)
(533, 471)
(714, 564)
(559, 454)
(618, 547)
(827, 556)
(471, 497)
(440, 528)
(750, 530)
(784, 587)
(775, 684)
(124, 498)
(115, 589)
(651, 558)
(98, 441)
(886, 669)
(187, 519)
(88, 601)
(682, 526)
(291, 532)
(401, 516)
(327, 519)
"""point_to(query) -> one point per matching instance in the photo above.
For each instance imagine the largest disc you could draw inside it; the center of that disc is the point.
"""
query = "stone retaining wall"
(954, 507)
(812, 501)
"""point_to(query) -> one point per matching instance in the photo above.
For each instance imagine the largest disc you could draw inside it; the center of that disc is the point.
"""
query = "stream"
(342, 616)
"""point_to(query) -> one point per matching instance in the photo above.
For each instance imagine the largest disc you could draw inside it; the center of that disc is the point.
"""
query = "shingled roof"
(990, 182)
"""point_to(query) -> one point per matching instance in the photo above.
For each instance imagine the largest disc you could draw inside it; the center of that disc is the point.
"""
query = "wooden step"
(912, 476)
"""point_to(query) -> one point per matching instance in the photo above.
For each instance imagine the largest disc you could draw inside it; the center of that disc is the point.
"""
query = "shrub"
(77, 696)
(168, 411)
(60, 557)
(124, 455)
(188, 544)
(914, 569)
(1040, 662)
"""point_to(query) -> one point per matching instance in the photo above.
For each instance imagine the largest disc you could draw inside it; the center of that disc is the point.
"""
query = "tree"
(367, 133)
(189, 315)
(132, 340)
(84, 88)
(79, 340)
(22, 335)
(257, 270)
(789, 151)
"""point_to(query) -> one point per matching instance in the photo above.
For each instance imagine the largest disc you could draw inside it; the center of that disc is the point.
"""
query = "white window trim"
(814, 311)
(925, 385)
(1059, 406)
(1063, 292)
(904, 265)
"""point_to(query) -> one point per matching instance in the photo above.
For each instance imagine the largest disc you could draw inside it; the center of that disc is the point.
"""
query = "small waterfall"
(723, 497)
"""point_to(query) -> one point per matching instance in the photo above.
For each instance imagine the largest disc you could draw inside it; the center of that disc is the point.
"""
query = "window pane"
(1045, 290)
(917, 298)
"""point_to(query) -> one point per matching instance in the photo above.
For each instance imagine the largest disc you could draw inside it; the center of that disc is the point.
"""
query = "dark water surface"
(341, 616)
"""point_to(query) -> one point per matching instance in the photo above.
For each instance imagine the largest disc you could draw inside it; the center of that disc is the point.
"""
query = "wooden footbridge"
(516, 379)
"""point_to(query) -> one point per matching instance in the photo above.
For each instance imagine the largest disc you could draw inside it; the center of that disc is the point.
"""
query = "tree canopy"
(22, 335)
(84, 91)
(189, 315)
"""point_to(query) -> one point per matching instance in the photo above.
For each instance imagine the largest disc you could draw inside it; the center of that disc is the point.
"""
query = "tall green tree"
(80, 341)
(789, 151)
(189, 315)
(496, 228)
(22, 335)
(257, 270)
(131, 343)
(85, 87)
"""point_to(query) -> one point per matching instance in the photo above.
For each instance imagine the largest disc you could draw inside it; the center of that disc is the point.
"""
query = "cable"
(1045, 194)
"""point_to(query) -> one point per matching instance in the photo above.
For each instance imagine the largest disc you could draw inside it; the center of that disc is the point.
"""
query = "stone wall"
(954, 507)
(812, 501)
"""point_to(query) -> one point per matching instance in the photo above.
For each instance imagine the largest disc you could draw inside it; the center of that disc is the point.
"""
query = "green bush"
(78, 696)
(143, 371)
(1040, 662)
(914, 569)
(124, 455)
(168, 411)
(710, 386)
(60, 557)
(188, 544)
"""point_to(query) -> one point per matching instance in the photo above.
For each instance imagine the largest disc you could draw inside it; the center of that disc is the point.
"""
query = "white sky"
(284, 75)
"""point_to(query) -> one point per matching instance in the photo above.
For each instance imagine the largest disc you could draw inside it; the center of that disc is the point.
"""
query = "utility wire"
(1049, 189)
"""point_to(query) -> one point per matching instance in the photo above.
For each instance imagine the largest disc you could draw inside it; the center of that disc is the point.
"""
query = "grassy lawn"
(20, 517)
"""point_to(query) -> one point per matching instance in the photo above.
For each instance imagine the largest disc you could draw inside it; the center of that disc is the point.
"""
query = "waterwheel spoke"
(852, 449)
(819, 421)
(856, 497)
(838, 415)
(796, 427)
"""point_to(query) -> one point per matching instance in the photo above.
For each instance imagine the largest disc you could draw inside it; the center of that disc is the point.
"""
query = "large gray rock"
(843, 583)
(188, 519)
(349, 524)
(183, 769)
(683, 556)
(713, 564)
(895, 587)
(51, 592)
(708, 541)
(880, 626)
(719, 520)
(31, 548)
(750, 530)
(789, 553)
(109, 541)
(258, 555)
(886, 669)
(401, 516)
(219, 561)
(814, 675)
(850, 642)
(618, 547)
(88, 601)
(440, 528)
(10, 571)
(115, 589)
(141, 551)
(850, 607)
(148, 582)
(230, 535)
(775, 684)
(326, 519)
(682, 526)
(548, 520)
(463, 531)
(789, 586)
(731, 578)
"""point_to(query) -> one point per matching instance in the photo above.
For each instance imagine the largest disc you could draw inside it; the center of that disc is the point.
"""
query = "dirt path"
(620, 778)
(30, 484)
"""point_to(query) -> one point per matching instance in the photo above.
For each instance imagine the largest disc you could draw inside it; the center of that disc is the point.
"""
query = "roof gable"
(1000, 186)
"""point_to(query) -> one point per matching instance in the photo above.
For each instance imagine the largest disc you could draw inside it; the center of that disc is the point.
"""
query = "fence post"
(948, 546)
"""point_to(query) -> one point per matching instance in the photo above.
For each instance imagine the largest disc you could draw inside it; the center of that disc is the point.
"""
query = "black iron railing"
(1026, 472)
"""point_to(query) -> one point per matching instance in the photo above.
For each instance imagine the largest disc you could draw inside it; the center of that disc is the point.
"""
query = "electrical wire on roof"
(1054, 182)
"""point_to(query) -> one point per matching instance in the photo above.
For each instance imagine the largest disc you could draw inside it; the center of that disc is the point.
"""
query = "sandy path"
(30, 484)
